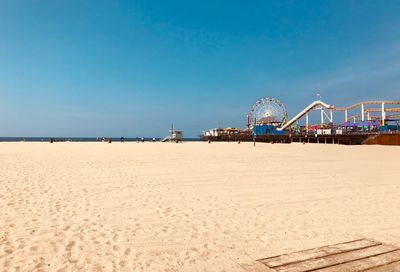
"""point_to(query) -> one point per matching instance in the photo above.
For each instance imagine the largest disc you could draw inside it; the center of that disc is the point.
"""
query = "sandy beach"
(188, 207)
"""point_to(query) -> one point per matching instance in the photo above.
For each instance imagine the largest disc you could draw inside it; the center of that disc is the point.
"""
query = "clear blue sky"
(130, 68)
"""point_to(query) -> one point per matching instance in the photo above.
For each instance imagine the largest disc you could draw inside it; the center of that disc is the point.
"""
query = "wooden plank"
(332, 260)
(392, 267)
(319, 252)
(256, 267)
(388, 262)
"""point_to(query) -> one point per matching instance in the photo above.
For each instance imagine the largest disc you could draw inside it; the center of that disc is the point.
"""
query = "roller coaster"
(365, 113)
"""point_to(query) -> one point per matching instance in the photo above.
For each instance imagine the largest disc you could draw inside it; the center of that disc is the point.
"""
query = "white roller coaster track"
(305, 111)
(321, 104)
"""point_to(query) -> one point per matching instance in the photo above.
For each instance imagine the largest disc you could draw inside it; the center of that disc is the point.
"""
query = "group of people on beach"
(141, 140)
(138, 140)
(104, 139)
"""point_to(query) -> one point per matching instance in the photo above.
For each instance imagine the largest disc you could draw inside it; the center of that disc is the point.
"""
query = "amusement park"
(367, 122)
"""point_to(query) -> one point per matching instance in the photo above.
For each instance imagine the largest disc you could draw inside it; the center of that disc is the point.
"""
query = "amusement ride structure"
(365, 113)
(267, 110)
(268, 120)
(270, 111)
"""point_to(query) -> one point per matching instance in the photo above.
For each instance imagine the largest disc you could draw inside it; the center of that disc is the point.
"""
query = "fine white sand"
(190, 206)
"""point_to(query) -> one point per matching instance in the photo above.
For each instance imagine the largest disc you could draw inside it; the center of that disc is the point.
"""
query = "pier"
(268, 121)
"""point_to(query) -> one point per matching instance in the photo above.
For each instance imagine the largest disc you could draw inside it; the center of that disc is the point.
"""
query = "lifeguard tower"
(174, 135)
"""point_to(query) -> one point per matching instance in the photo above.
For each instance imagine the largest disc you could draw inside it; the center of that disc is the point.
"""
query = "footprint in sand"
(34, 248)
(127, 251)
(8, 250)
(2, 237)
(75, 227)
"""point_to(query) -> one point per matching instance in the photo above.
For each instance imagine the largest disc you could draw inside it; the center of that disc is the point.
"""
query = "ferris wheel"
(267, 110)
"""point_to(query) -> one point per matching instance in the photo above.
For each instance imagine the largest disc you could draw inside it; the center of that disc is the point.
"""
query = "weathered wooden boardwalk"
(352, 256)
(345, 139)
